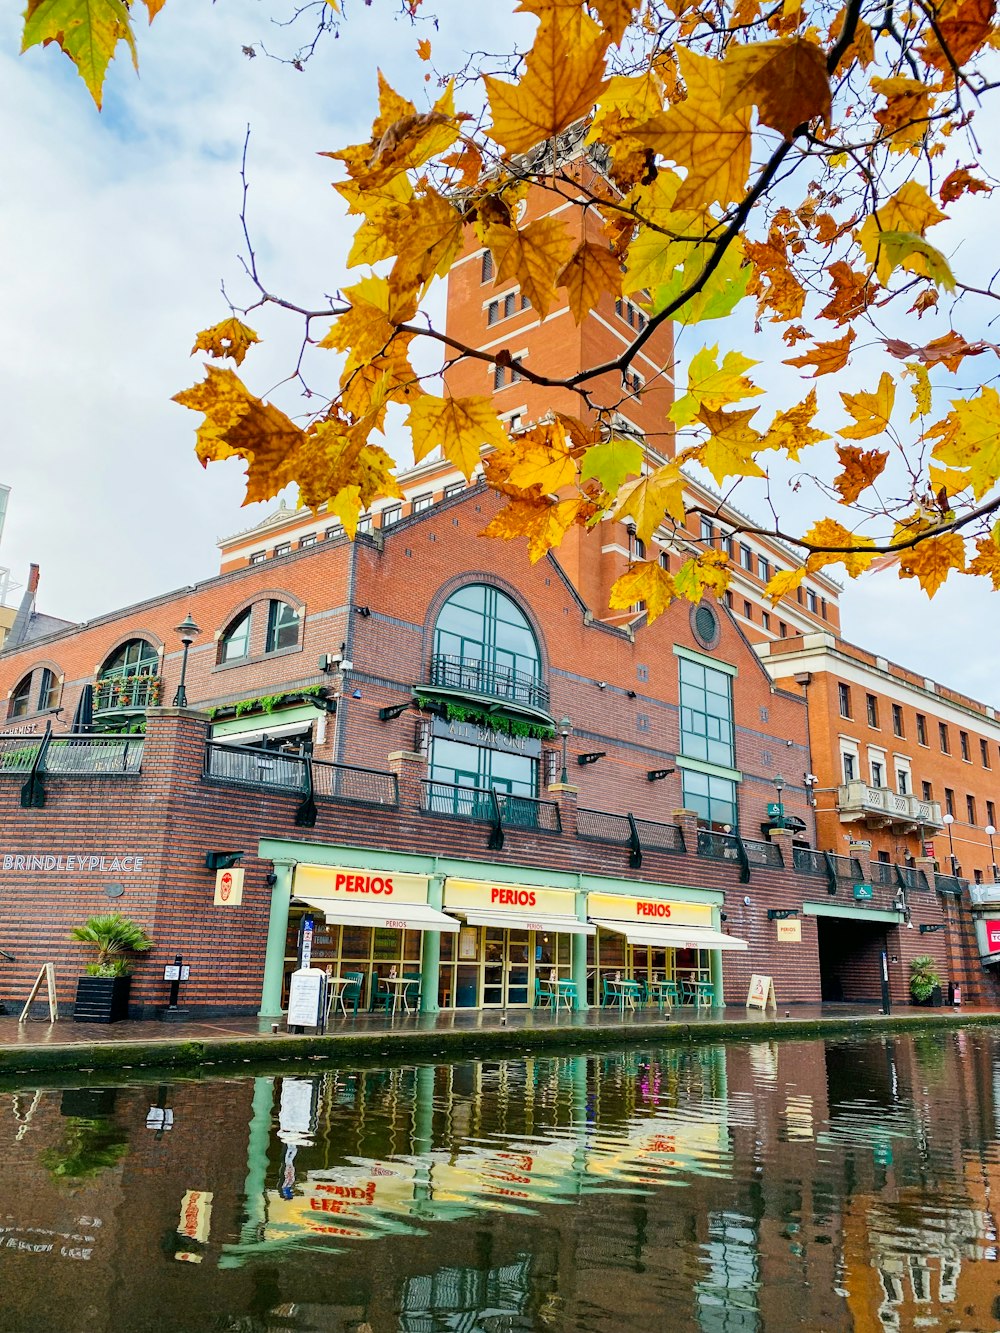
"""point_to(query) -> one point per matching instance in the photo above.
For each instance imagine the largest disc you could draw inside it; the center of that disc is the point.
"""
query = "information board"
(307, 998)
(761, 993)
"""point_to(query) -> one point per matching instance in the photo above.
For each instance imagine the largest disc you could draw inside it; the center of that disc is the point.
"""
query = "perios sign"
(75, 863)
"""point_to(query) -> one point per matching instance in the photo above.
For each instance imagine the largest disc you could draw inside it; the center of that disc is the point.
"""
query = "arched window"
(135, 658)
(129, 679)
(484, 644)
(235, 642)
(48, 690)
(19, 700)
(282, 626)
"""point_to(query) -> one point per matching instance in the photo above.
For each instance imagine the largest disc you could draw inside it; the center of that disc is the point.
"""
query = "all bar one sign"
(75, 863)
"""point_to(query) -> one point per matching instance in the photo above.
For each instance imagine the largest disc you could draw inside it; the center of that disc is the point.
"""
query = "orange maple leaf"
(933, 560)
(785, 79)
(825, 358)
(861, 468)
(959, 182)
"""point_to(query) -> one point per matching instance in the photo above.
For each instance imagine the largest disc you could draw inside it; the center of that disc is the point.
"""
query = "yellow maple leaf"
(611, 462)
(713, 385)
(337, 466)
(921, 389)
(237, 423)
(829, 535)
(861, 468)
(933, 560)
(784, 582)
(368, 326)
(615, 16)
(591, 272)
(969, 440)
(707, 570)
(785, 79)
(792, 430)
(713, 148)
(88, 31)
(531, 257)
(543, 522)
(427, 237)
(904, 118)
(729, 450)
(987, 560)
(908, 213)
(645, 582)
(825, 358)
(961, 28)
(543, 459)
(563, 79)
(648, 500)
(229, 338)
(460, 426)
(871, 411)
(424, 49)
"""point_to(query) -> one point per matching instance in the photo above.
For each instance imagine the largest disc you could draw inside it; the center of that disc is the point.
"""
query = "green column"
(715, 970)
(579, 955)
(277, 930)
(430, 954)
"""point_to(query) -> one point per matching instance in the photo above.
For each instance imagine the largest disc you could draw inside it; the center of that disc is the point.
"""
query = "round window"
(705, 624)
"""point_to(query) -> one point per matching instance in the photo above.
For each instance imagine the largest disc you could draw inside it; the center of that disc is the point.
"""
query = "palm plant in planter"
(102, 993)
(924, 978)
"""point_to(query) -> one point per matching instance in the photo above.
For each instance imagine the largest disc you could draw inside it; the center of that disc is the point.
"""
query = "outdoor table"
(335, 987)
(399, 987)
(563, 988)
(627, 992)
(666, 993)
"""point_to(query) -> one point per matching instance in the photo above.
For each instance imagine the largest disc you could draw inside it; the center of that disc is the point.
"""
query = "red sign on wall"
(992, 935)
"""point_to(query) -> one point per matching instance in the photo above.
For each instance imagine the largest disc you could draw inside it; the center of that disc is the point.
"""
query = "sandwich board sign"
(761, 992)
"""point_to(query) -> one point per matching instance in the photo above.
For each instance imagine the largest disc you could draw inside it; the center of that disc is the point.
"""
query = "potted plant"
(924, 980)
(102, 993)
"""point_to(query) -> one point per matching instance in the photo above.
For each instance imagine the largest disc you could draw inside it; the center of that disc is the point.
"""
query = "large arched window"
(20, 699)
(484, 644)
(130, 678)
(282, 626)
(235, 642)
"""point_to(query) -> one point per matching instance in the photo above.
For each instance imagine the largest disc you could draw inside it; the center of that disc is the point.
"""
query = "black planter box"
(101, 999)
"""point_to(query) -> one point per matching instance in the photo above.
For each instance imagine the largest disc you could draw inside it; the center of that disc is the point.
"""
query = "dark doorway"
(850, 959)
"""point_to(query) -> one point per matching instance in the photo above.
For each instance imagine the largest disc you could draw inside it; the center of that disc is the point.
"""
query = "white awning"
(564, 925)
(254, 734)
(397, 916)
(672, 937)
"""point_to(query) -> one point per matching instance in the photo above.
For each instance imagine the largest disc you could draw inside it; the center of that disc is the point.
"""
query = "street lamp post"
(188, 632)
(565, 727)
(956, 869)
(990, 830)
(779, 787)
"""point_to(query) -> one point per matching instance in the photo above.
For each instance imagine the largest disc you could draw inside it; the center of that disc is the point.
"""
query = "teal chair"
(411, 993)
(351, 993)
(670, 994)
(543, 995)
(382, 995)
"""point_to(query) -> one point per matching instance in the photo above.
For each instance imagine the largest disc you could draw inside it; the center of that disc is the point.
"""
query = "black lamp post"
(955, 868)
(990, 830)
(565, 727)
(779, 787)
(188, 632)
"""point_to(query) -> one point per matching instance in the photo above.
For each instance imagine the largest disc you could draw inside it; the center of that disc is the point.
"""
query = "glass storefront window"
(364, 949)
(497, 967)
(609, 953)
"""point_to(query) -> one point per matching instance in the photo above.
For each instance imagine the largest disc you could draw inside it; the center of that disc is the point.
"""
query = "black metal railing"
(882, 872)
(637, 835)
(73, 755)
(912, 878)
(488, 680)
(600, 826)
(836, 870)
(658, 837)
(489, 806)
(951, 884)
(724, 847)
(247, 766)
(807, 861)
(128, 693)
(761, 853)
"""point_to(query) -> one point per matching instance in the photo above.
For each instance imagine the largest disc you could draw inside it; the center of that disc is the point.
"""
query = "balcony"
(985, 895)
(126, 694)
(501, 688)
(879, 807)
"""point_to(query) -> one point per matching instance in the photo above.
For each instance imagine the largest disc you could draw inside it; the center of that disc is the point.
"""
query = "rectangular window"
(943, 738)
(798, 594)
(729, 599)
(493, 312)
(486, 267)
(991, 815)
(334, 531)
(849, 771)
(963, 740)
(765, 619)
(706, 714)
(282, 548)
(498, 377)
(747, 609)
(970, 808)
(763, 569)
(810, 601)
(844, 694)
(365, 523)
(902, 781)
(782, 629)
(822, 607)
(525, 303)
(282, 626)
(391, 516)
(746, 557)
(454, 488)
(509, 305)
(308, 540)
(871, 703)
(884, 858)
(258, 557)
(921, 729)
(926, 791)
(713, 799)
(877, 773)
(727, 544)
(515, 372)
(707, 531)
(48, 690)
(949, 802)
(422, 502)
(897, 720)
(984, 752)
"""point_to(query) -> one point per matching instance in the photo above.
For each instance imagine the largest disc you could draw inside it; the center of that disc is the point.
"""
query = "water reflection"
(770, 1186)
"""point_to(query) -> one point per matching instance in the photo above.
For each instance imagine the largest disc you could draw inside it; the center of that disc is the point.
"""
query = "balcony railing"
(859, 800)
(950, 884)
(502, 809)
(82, 755)
(985, 895)
(488, 680)
(134, 694)
(292, 773)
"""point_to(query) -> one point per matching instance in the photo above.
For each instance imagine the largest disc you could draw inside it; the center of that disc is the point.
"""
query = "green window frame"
(19, 699)
(282, 626)
(712, 798)
(138, 657)
(48, 690)
(486, 634)
(235, 642)
(706, 714)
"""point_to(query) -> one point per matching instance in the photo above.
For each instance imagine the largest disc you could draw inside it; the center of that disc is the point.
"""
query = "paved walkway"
(192, 1044)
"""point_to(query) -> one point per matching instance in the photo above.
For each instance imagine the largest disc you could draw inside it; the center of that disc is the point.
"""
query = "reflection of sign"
(761, 993)
(789, 932)
(196, 1215)
(305, 998)
(350, 884)
(341, 1202)
(459, 893)
(297, 1110)
(864, 891)
(615, 907)
(229, 887)
(467, 945)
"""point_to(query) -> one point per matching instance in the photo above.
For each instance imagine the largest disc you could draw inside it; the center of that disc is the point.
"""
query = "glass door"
(494, 966)
(518, 966)
(506, 967)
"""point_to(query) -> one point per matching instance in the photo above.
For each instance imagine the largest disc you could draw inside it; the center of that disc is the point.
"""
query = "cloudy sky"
(118, 229)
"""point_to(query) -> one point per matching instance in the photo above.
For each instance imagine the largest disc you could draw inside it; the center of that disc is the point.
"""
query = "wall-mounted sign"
(615, 907)
(864, 892)
(992, 928)
(353, 885)
(25, 729)
(860, 845)
(229, 887)
(475, 733)
(75, 863)
(467, 943)
(484, 894)
(789, 932)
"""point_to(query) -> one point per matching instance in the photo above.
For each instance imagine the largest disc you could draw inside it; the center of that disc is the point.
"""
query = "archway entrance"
(850, 959)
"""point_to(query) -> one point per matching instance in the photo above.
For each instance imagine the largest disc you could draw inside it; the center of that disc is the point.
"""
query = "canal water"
(789, 1185)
